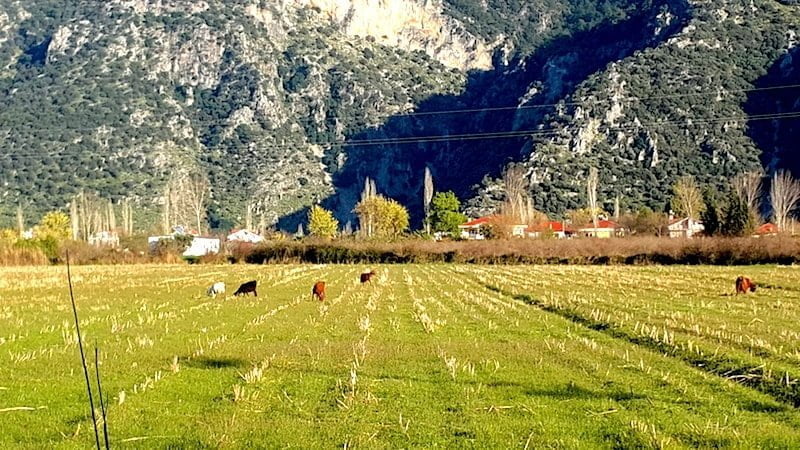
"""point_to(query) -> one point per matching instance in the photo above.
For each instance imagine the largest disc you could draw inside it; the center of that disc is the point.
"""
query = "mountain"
(283, 104)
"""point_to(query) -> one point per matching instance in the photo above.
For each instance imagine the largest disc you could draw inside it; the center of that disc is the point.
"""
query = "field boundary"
(756, 377)
(635, 251)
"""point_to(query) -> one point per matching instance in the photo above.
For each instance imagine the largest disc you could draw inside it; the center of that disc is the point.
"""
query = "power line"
(478, 110)
(457, 137)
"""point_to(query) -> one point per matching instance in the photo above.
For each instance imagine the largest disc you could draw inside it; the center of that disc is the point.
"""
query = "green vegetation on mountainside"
(114, 101)
(117, 98)
(672, 110)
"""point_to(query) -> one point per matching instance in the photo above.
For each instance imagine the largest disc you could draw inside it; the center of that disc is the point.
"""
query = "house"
(473, 230)
(104, 239)
(556, 229)
(605, 229)
(202, 246)
(684, 228)
(768, 229)
(245, 236)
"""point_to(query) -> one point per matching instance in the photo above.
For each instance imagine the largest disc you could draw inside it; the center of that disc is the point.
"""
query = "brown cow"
(744, 285)
(366, 277)
(318, 291)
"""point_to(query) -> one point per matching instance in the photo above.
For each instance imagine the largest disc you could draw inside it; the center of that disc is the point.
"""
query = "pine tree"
(738, 217)
(710, 217)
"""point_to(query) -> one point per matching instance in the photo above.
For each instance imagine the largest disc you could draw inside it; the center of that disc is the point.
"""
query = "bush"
(321, 223)
(637, 251)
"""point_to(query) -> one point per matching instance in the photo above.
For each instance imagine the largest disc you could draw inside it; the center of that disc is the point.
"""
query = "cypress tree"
(738, 218)
(710, 217)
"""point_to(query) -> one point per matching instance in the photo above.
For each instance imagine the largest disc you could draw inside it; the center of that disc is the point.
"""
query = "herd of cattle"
(317, 291)
(743, 286)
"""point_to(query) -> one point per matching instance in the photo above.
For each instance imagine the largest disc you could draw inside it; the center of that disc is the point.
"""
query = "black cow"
(366, 277)
(246, 288)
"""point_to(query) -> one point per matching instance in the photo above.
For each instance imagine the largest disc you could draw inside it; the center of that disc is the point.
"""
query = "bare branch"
(748, 186)
(785, 197)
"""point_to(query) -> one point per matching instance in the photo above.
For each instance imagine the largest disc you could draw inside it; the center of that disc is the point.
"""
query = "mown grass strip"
(752, 376)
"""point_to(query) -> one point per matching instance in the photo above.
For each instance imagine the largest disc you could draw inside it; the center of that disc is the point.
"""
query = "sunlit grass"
(425, 355)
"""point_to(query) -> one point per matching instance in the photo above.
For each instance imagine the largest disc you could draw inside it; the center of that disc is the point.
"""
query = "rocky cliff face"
(409, 25)
(281, 103)
(248, 92)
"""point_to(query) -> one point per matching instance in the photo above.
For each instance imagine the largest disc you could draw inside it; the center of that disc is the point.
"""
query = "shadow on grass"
(756, 377)
(214, 363)
(573, 391)
(781, 288)
(764, 407)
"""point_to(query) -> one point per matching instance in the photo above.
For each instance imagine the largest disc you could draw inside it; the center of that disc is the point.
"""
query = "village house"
(247, 236)
(684, 228)
(555, 229)
(104, 239)
(473, 230)
(200, 246)
(605, 229)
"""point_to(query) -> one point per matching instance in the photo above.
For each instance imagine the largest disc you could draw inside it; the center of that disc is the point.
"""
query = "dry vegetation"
(628, 251)
(645, 250)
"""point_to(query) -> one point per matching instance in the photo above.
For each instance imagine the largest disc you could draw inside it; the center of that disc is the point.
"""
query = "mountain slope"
(280, 103)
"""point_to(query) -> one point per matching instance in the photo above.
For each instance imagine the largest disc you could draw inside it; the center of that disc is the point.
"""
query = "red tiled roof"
(767, 228)
(549, 226)
(476, 222)
(603, 224)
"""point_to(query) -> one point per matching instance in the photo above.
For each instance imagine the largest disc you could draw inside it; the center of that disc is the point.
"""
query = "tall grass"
(15, 256)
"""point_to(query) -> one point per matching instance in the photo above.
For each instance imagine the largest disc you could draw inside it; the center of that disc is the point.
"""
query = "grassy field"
(427, 356)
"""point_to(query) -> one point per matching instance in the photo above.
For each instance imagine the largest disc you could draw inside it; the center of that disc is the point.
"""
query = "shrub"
(445, 216)
(321, 223)
(644, 250)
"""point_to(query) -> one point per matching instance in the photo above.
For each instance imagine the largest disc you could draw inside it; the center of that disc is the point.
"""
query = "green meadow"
(424, 356)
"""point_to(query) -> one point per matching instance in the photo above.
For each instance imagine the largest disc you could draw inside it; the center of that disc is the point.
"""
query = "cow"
(318, 291)
(246, 288)
(366, 277)
(215, 289)
(744, 285)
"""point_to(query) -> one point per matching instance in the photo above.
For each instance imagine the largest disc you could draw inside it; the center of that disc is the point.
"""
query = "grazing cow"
(366, 277)
(216, 288)
(744, 285)
(318, 291)
(246, 288)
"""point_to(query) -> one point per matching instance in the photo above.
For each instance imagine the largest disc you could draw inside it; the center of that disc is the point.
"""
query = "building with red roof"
(557, 229)
(768, 229)
(605, 229)
(473, 229)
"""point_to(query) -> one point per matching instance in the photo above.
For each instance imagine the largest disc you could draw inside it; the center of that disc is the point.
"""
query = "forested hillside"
(284, 104)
